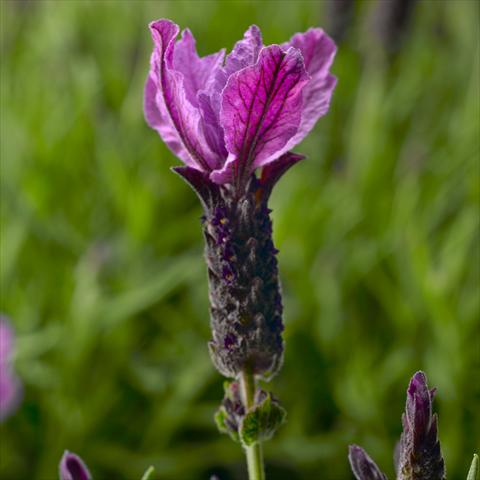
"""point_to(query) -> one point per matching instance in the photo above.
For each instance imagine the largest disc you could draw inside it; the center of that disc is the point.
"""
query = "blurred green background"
(101, 247)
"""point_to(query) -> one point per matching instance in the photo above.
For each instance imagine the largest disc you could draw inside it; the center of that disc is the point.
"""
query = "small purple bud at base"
(72, 467)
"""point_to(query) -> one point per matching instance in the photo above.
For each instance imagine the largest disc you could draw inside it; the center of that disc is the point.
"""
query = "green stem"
(254, 453)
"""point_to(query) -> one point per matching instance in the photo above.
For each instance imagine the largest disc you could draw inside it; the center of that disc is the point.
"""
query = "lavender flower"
(72, 467)
(10, 389)
(228, 119)
(418, 455)
(225, 120)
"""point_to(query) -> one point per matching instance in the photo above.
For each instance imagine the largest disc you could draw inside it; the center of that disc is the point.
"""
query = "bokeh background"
(101, 248)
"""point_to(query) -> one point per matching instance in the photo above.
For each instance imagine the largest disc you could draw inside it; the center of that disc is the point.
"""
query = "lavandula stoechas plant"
(227, 118)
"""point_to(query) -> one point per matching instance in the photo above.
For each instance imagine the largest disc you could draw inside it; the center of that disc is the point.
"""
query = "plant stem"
(254, 452)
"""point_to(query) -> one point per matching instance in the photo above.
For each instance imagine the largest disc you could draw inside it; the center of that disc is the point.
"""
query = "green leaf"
(148, 473)
(472, 473)
(262, 421)
(220, 417)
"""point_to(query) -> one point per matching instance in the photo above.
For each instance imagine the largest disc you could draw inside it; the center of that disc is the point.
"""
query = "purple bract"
(227, 118)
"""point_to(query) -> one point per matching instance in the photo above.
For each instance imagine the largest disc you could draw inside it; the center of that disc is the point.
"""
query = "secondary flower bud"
(420, 457)
(72, 467)
(252, 425)
(363, 467)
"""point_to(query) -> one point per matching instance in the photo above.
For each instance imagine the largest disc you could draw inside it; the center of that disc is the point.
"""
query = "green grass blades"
(101, 268)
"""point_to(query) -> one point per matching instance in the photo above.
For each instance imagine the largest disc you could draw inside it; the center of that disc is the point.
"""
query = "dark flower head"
(227, 118)
(72, 467)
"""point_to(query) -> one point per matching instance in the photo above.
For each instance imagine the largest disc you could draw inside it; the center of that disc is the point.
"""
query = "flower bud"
(248, 426)
(420, 457)
(72, 467)
(363, 467)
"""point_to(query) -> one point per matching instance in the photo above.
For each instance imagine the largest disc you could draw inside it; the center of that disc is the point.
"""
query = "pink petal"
(261, 111)
(199, 76)
(167, 108)
(197, 72)
(244, 53)
(211, 123)
(318, 51)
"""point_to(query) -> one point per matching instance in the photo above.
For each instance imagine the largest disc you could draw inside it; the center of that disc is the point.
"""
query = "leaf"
(262, 421)
(472, 473)
(221, 420)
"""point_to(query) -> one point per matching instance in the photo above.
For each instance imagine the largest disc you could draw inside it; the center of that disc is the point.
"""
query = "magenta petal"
(199, 77)
(167, 108)
(317, 48)
(318, 51)
(72, 467)
(197, 72)
(261, 111)
(245, 52)
(211, 124)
